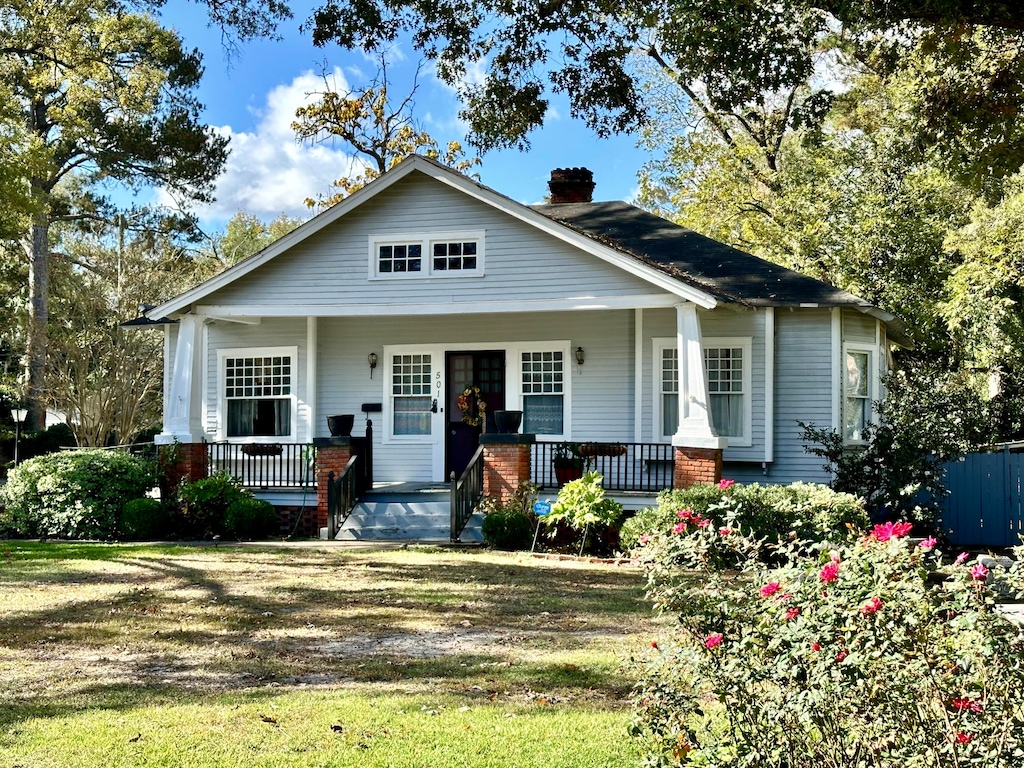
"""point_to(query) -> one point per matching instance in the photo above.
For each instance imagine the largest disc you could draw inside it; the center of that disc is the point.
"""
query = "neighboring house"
(601, 322)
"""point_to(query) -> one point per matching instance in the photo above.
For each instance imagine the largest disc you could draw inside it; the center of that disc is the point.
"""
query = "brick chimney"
(571, 185)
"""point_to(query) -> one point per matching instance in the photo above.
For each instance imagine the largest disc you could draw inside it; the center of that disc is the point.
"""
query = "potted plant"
(568, 462)
(341, 425)
(507, 422)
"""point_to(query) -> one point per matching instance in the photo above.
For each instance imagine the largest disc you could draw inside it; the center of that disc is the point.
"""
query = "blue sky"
(252, 95)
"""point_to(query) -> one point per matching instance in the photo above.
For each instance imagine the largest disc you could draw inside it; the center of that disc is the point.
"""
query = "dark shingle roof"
(706, 264)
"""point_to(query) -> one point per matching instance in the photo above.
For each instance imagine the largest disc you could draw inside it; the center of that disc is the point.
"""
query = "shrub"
(73, 494)
(582, 506)
(772, 512)
(204, 504)
(846, 657)
(251, 518)
(508, 528)
(144, 518)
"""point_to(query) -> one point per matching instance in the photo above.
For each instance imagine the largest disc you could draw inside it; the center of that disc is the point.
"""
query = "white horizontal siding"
(331, 268)
(803, 391)
(272, 332)
(858, 327)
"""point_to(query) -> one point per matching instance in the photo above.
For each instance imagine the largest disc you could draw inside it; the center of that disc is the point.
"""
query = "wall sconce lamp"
(372, 360)
(580, 359)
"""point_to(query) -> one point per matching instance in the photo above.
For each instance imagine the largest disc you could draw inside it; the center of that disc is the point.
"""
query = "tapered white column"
(696, 429)
(182, 418)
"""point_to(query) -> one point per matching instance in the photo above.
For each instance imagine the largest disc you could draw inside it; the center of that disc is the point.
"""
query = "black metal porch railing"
(264, 465)
(640, 467)
(467, 491)
(342, 494)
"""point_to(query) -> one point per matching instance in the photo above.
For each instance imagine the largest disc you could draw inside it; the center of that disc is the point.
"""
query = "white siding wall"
(602, 390)
(272, 332)
(331, 268)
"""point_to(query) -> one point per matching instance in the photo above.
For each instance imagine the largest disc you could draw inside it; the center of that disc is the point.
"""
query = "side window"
(257, 392)
(726, 390)
(668, 392)
(543, 388)
(411, 394)
(857, 376)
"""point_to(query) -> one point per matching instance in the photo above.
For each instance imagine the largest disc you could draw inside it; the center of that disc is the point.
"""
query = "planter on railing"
(263, 449)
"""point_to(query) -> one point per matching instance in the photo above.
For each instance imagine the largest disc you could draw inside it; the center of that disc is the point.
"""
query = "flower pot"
(341, 426)
(564, 474)
(507, 422)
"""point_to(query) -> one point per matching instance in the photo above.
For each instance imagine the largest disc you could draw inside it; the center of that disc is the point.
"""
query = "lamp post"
(19, 415)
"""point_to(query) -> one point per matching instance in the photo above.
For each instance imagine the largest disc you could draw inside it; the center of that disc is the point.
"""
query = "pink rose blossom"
(841, 656)
(966, 702)
(815, 646)
(679, 528)
(644, 538)
(702, 522)
(886, 531)
(872, 606)
(830, 572)
(928, 543)
(961, 558)
(792, 613)
(714, 639)
(724, 531)
(684, 514)
(770, 588)
(654, 644)
(723, 484)
(963, 738)
(979, 572)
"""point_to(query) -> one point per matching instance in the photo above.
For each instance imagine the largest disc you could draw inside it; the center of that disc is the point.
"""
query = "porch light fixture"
(579, 356)
(372, 360)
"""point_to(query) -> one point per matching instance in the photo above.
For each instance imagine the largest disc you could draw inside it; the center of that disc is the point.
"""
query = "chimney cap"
(571, 185)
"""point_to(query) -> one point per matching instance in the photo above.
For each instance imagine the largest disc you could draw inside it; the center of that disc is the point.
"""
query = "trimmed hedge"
(73, 494)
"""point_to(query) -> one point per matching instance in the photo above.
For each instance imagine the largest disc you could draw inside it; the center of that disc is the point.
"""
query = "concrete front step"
(377, 519)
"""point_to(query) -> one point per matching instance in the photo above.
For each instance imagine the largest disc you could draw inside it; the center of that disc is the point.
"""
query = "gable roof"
(674, 258)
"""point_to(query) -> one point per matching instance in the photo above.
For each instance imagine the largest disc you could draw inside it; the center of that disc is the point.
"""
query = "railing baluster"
(641, 467)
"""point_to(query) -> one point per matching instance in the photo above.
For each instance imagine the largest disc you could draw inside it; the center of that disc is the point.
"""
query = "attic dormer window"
(436, 254)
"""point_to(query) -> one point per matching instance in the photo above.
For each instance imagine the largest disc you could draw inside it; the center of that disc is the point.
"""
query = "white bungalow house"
(602, 323)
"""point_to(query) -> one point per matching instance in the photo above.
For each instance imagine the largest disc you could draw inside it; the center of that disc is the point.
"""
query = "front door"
(486, 371)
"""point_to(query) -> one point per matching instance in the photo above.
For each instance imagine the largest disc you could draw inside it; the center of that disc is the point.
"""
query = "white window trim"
(514, 380)
(426, 241)
(437, 357)
(873, 386)
(222, 400)
(708, 342)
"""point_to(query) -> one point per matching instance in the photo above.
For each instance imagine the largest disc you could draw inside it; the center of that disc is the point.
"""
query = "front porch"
(328, 489)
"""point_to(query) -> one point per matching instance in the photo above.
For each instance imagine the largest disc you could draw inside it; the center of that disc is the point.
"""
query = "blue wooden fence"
(984, 504)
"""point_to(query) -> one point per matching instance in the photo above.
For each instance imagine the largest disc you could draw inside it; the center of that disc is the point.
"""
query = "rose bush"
(865, 653)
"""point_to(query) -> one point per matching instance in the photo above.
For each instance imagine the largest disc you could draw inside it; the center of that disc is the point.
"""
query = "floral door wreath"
(473, 407)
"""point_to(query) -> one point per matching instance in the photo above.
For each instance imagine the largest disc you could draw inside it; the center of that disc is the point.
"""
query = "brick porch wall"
(180, 462)
(332, 454)
(696, 465)
(507, 461)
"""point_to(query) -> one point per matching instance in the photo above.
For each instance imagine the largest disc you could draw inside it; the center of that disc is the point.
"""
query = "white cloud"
(268, 172)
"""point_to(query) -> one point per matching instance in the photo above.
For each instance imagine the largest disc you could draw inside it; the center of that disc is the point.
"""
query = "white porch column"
(182, 417)
(696, 429)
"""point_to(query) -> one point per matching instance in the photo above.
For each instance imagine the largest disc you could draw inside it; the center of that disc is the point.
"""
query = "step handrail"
(466, 493)
(342, 495)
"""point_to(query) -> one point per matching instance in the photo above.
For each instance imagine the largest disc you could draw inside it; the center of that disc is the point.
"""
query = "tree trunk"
(37, 248)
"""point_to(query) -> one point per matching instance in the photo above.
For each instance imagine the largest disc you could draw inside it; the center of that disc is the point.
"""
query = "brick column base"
(180, 462)
(506, 464)
(332, 454)
(696, 465)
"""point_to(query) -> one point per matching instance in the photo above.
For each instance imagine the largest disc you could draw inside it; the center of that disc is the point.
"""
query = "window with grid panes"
(411, 394)
(399, 258)
(857, 394)
(669, 391)
(258, 394)
(724, 367)
(455, 256)
(543, 393)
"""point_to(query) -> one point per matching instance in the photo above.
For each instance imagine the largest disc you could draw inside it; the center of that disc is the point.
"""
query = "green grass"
(134, 655)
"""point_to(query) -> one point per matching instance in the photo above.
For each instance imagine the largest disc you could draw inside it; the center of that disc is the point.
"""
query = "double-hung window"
(411, 395)
(543, 390)
(435, 254)
(858, 374)
(258, 392)
(727, 368)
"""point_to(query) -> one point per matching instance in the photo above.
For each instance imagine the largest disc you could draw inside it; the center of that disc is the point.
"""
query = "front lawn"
(130, 655)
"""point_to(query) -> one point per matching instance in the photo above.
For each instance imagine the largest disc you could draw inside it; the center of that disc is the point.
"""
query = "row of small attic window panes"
(408, 257)
(724, 367)
(257, 376)
(542, 373)
(410, 375)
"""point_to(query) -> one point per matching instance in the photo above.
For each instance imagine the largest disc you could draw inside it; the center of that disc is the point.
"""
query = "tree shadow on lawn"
(187, 625)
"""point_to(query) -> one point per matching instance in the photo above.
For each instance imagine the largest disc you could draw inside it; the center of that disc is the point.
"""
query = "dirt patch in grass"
(147, 622)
